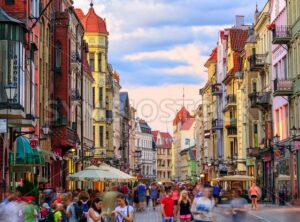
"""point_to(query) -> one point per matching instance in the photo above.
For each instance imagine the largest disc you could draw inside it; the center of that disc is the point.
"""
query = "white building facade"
(144, 144)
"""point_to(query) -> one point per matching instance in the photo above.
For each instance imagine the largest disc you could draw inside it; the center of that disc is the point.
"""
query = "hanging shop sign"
(3, 125)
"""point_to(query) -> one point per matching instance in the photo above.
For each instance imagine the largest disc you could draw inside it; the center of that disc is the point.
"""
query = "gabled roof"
(155, 134)
(238, 38)
(188, 124)
(91, 21)
(145, 128)
(212, 58)
(166, 139)
(182, 116)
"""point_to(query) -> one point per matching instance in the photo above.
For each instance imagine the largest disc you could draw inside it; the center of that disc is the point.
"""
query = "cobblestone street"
(266, 214)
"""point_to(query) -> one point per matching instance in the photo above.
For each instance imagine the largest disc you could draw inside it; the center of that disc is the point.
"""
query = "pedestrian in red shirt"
(167, 207)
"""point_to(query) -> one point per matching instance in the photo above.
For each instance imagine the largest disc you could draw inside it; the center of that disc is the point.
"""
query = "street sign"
(34, 143)
(3, 125)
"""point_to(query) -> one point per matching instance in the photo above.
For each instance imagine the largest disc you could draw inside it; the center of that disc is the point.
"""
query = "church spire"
(183, 96)
(92, 4)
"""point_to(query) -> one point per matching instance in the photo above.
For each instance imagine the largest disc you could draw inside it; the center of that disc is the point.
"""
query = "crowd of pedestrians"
(178, 202)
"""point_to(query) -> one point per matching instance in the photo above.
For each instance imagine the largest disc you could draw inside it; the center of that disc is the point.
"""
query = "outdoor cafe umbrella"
(94, 174)
(115, 171)
(237, 178)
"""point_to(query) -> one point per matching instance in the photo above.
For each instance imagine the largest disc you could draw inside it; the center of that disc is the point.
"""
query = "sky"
(159, 48)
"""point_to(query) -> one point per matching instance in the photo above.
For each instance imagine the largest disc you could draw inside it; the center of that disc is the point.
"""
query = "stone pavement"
(266, 213)
(150, 215)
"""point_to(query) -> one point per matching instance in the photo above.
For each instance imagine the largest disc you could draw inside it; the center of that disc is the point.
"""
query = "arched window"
(57, 57)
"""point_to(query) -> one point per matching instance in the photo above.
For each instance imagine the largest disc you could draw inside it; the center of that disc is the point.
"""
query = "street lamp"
(10, 92)
(276, 139)
(294, 131)
(45, 129)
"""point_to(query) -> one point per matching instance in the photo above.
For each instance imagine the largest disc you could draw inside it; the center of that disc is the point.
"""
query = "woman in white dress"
(95, 213)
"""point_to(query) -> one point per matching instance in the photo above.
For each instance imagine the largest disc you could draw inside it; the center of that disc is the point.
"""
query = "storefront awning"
(24, 154)
(38, 157)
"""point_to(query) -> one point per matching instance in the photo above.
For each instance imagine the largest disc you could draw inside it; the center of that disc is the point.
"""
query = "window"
(35, 6)
(9, 2)
(286, 116)
(187, 142)
(94, 134)
(285, 71)
(255, 137)
(99, 62)
(93, 96)
(276, 70)
(92, 62)
(254, 87)
(57, 57)
(101, 139)
(101, 96)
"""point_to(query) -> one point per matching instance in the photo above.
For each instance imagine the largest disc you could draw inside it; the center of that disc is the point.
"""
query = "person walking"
(95, 213)
(238, 208)
(29, 212)
(154, 194)
(141, 191)
(216, 193)
(84, 203)
(202, 207)
(147, 196)
(70, 208)
(136, 202)
(125, 190)
(167, 206)
(123, 212)
(175, 197)
(44, 212)
(254, 194)
(57, 212)
(185, 204)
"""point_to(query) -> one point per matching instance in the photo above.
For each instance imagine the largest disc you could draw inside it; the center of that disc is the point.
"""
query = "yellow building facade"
(96, 35)
(234, 151)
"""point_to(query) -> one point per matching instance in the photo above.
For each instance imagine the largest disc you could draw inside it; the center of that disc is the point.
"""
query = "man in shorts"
(141, 191)
(167, 207)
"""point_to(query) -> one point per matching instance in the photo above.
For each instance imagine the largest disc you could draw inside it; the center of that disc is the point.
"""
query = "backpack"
(78, 211)
(49, 217)
(84, 207)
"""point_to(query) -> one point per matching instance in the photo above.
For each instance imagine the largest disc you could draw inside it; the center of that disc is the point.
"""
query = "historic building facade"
(163, 143)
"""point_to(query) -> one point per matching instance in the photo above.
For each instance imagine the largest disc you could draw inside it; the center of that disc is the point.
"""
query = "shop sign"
(250, 162)
(3, 125)
(34, 143)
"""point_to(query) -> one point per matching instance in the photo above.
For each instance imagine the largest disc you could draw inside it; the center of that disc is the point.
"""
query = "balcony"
(257, 62)
(217, 89)
(282, 35)
(64, 136)
(217, 124)
(230, 101)
(233, 122)
(232, 132)
(283, 87)
(253, 152)
(260, 100)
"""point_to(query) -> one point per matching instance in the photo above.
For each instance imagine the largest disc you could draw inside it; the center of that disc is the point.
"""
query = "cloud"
(159, 104)
(158, 46)
(190, 54)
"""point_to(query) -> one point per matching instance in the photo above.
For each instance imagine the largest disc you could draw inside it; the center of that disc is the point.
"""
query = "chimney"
(239, 20)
